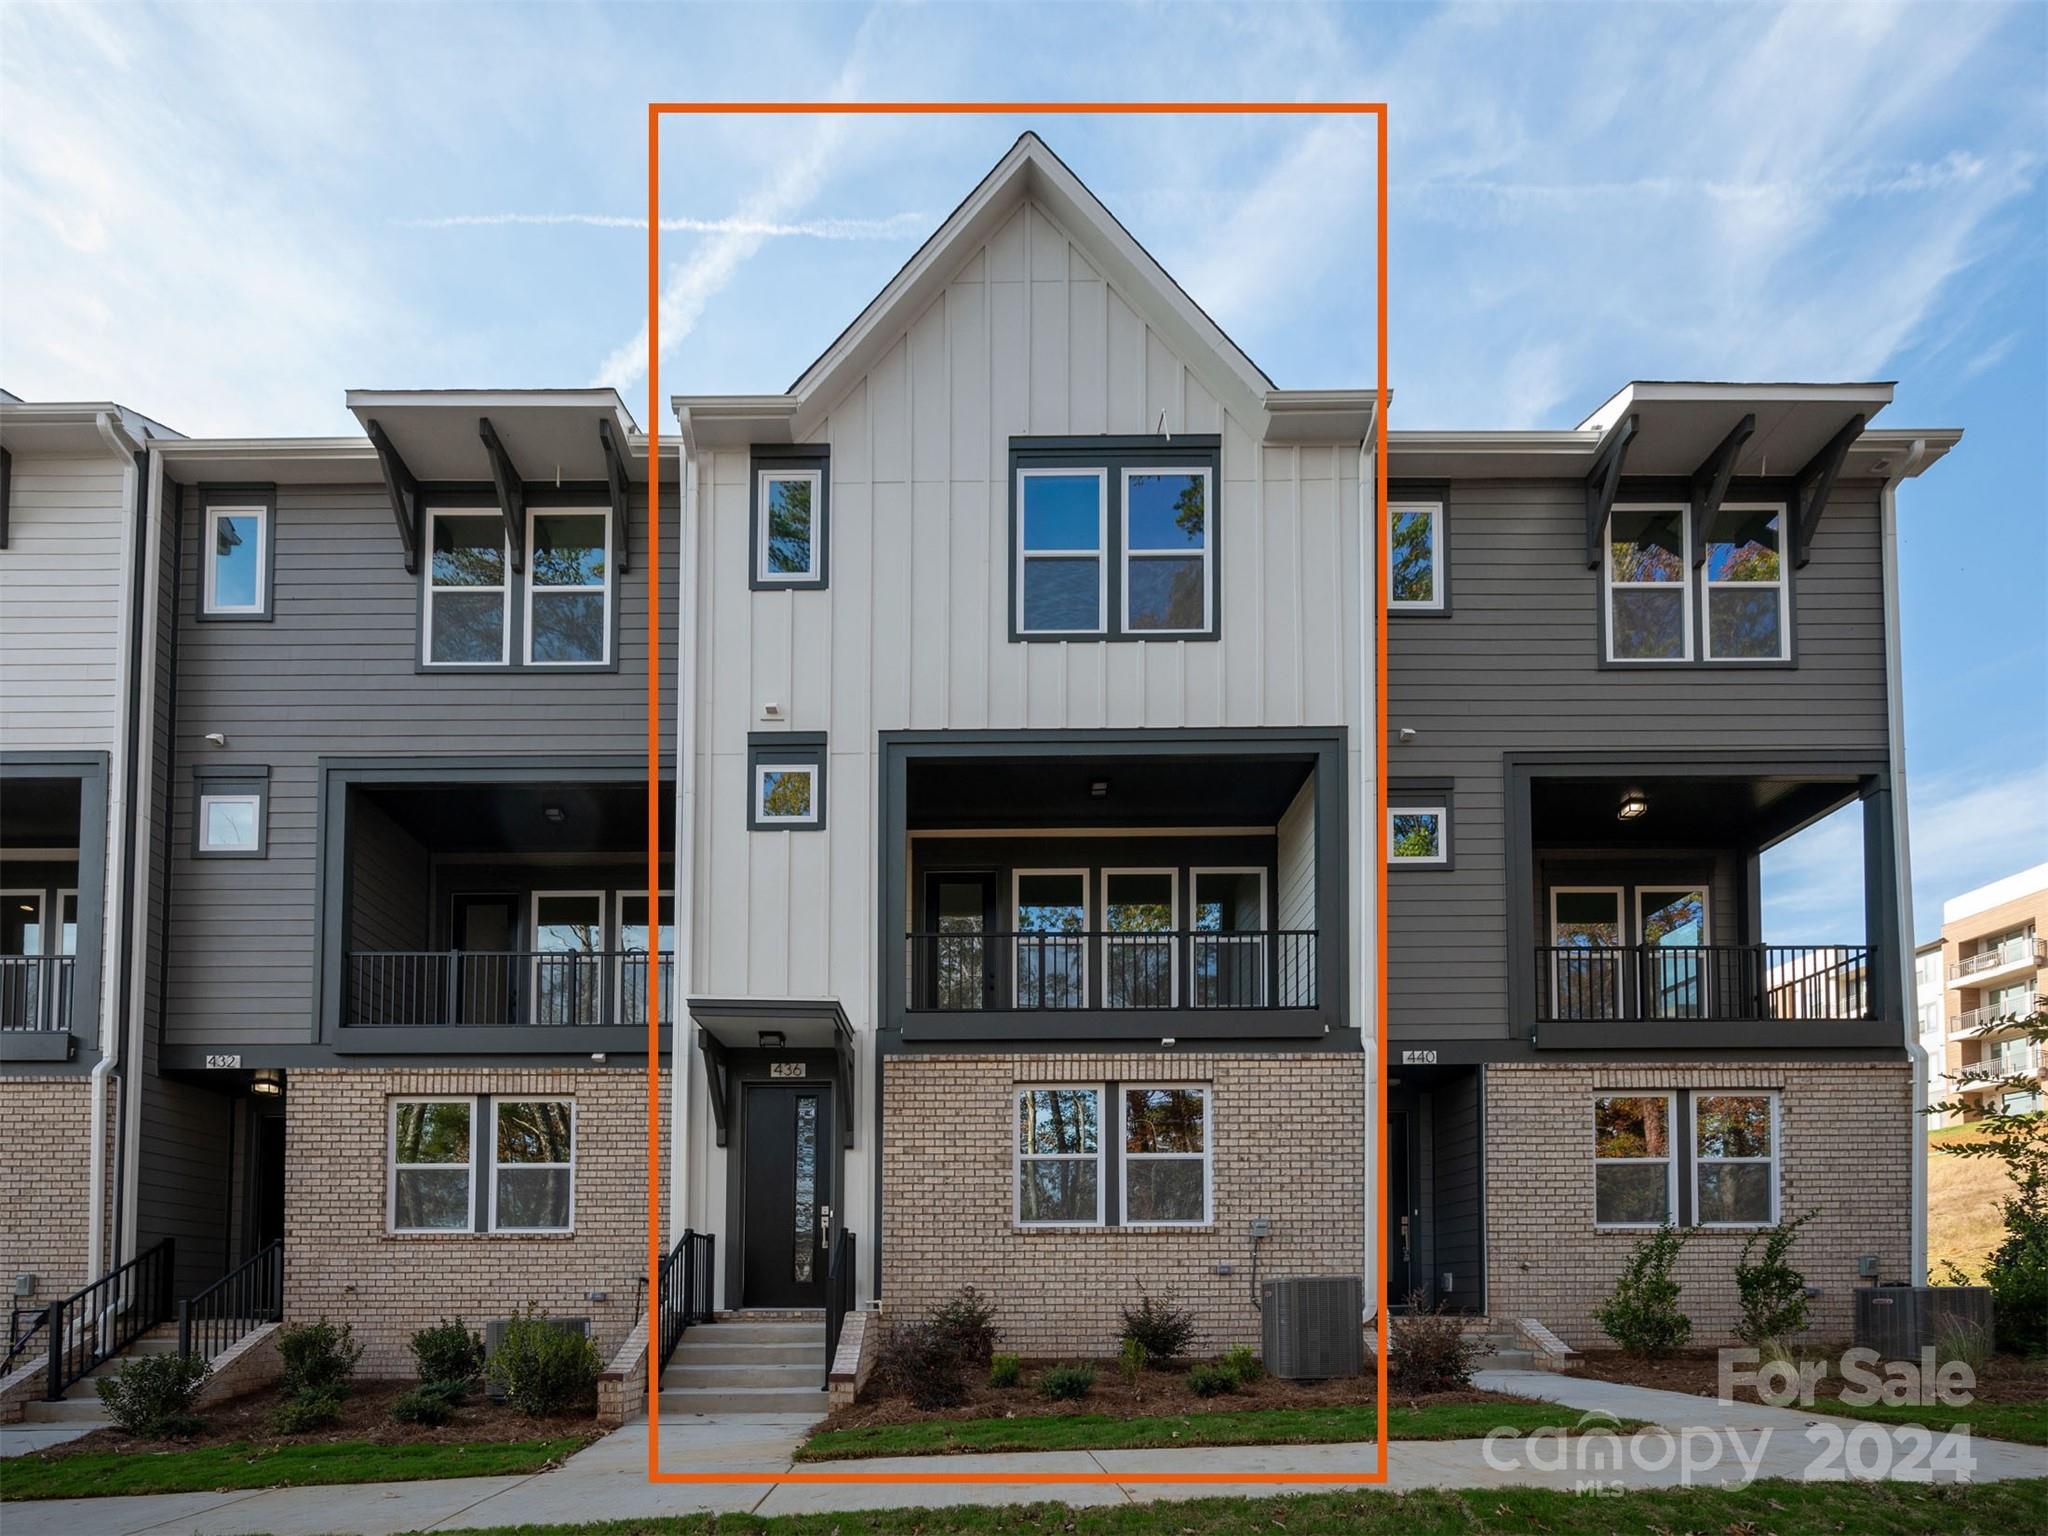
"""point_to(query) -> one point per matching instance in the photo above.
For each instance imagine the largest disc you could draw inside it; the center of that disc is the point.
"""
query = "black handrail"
(957, 972)
(35, 993)
(839, 1277)
(93, 1325)
(237, 1304)
(19, 1338)
(1697, 982)
(685, 1289)
(407, 989)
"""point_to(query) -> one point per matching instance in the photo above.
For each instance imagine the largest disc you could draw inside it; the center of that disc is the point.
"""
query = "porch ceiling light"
(554, 813)
(1099, 789)
(772, 1039)
(268, 1081)
(1634, 803)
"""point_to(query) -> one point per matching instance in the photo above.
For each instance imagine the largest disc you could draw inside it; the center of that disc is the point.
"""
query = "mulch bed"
(2004, 1378)
(365, 1417)
(1155, 1393)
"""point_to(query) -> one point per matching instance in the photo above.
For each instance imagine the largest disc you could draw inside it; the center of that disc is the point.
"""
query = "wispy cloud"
(896, 226)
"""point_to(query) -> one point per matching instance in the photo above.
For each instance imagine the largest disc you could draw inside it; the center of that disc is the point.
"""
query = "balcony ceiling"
(1145, 792)
(512, 819)
(39, 813)
(1690, 813)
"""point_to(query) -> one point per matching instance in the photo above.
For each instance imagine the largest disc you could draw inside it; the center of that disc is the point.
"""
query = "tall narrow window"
(789, 525)
(1227, 958)
(642, 950)
(467, 592)
(237, 561)
(1060, 551)
(1415, 565)
(1633, 1168)
(1166, 550)
(432, 1165)
(1586, 955)
(1649, 594)
(1745, 585)
(568, 961)
(1059, 1157)
(1052, 938)
(568, 588)
(1735, 1171)
(1140, 911)
(533, 1165)
(1673, 932)
(1166, 1156)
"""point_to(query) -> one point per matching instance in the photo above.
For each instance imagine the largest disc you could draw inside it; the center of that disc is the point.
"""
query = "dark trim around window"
(798, 749)
(264, 496)
(816, 458)
(1424, 794)
(231, 779)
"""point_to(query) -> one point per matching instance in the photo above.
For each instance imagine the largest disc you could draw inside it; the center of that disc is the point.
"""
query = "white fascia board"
(313, 460)
(1342, 416)
(1733, 392)
(734, 421)
(601, 397)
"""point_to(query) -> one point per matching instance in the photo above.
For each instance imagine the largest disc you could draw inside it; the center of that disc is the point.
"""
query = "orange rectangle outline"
(656, 110)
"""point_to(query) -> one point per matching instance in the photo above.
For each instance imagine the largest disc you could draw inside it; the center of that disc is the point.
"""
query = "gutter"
(1902, 858)
(681, 1166)
(1372, 1028)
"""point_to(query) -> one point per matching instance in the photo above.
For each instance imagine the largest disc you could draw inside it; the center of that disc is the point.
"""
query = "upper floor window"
(1114, 538)
(1744, 580)
(786, 781)
(1648, 595)
(477, 611)
(468, 591)
(237, 561)
(1415, 566)
(791, 501)
(568, 589)
(229, 813)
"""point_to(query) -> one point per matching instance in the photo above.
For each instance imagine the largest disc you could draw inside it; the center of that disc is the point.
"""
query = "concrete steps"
(749, 1362)
(81, 1402)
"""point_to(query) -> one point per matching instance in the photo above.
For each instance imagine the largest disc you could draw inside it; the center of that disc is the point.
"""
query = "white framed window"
(1168, 581)
(1635, 1169)
(568, 586)
(237, 575)
(1228, 955)
(790, 531)
(1062, 551)
(1418, 834)
(785, 793)
(1742, 582)
(466, 620)
(432, 1157)
(1167, 1177)
(641, 949)
(533, 1165)
(231, 821)
(568, 957)
(1140, 923)
(1051, 937)
(1058, 1141)
(1735, 1159)
(1671, 927)
(1588, 933)
(1647, 585)
(1415, 564)
(67, 922)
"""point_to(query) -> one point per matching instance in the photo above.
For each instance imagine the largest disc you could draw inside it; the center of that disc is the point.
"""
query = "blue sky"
(226, 215)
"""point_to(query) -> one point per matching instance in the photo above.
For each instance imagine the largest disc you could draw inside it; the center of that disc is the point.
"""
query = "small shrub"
(1964, 1342)
(969, 1318)
(1067, 1383)
(1130, 1360)
(448, 1352)
(1642, 1315)
(2017, 1270)
(1211, 1379)
(1005, 1371)
(307, 1411)
(1160, 1328)
(1243, 1364)
(152, 1395)
(1428, 1351)
(921, 1361)
(318, 1358)
(1772, 1292)
(543, 1368)
(430, 1403)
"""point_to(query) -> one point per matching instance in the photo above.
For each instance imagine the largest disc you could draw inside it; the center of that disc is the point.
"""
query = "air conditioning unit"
(1898, 1321)
(1313, 1326)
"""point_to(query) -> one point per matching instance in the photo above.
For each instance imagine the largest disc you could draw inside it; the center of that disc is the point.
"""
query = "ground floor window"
(1735, 1159)
(1633, 1168)
(1166, 1156)
(528, 1164)
(1059, 1157)
(1686, 1157)
(1162, 1142)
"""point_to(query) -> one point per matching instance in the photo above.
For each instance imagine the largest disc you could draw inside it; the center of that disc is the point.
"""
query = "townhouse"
(1019, 847)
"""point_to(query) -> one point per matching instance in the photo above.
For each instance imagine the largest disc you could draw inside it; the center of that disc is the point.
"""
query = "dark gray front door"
(787, 1178)
(487, 969)
(1400, 1213)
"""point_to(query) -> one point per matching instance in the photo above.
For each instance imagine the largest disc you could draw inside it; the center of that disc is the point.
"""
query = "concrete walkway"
(606, 1482)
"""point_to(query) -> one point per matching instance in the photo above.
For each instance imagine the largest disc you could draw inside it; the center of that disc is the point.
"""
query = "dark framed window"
(478, 613)
(237, 553)
(1418, 829)
(231, 813)
(786, 781)
(789, 502)
(1115, 538)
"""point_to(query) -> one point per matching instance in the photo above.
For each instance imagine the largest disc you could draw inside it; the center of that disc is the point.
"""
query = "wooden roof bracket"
(511, 491)
(718, 1076)
(404, 491)
(1602, 481)
(1710, 483)
(615, 479)
(1814, 484)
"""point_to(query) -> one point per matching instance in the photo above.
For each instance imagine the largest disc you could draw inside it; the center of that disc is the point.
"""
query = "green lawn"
(1762, 1509)
(1262, 1426)
(2025, 1423)
(214, 1468)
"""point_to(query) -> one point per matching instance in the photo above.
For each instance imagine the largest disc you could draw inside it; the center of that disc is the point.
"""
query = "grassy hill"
(1963, 1195)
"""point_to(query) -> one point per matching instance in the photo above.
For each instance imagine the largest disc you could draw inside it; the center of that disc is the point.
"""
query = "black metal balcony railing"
(35, 992)
(1695, 982)
(407, 989)
(963, 972)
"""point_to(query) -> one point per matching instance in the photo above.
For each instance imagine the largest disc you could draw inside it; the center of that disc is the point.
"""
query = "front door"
(789, 1195)
(487, 974)
(1400, 1212)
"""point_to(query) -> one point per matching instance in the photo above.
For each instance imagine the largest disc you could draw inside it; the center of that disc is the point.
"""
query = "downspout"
(681, 1164)
(1365, 994)
(1902, 858)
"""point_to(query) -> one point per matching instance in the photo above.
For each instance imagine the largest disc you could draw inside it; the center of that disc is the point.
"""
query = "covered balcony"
(52, 863)
(496, 914)
(1122, 890)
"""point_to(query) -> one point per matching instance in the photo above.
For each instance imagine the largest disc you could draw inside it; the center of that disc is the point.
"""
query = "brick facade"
(1288, 1138)
(1846, 1152)
(341, 1261)
(44, 1225)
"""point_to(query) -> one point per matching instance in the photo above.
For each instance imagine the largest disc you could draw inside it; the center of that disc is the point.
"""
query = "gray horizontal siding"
(333, 674)
(1514, 668)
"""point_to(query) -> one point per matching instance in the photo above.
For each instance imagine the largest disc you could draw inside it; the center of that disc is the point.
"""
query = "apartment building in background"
(1019, 856)
(1994, 943)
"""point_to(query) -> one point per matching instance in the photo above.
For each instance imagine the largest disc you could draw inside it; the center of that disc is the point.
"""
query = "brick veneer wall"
(1288, 1144)
(44, 1182)
(342, 1263)
(1846, 1152)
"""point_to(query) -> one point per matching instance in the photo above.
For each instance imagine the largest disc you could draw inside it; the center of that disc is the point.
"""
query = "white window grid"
(395, 1166)
(260, 592)
(1669, 1162)
(1205, 1157)
(1700, 1160)
(1020, 944)
(766, 481)
(534, 583)
(1207, 550)
(1019, 1157)
(1099, 553)
(1708, 586)
(502, 589)
(1172, 940)
(1435, 601)
(497, 1105)
(1683, 586)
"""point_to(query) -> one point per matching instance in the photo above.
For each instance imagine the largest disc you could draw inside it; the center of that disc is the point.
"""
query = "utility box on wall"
(1898, 1321)
(1313, 1327)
